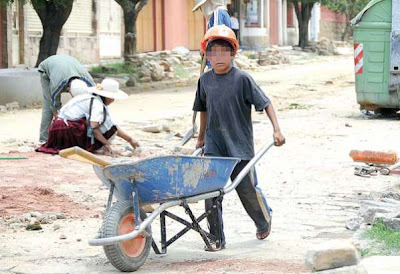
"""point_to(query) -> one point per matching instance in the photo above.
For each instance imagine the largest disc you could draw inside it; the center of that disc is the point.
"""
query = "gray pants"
(47, 112)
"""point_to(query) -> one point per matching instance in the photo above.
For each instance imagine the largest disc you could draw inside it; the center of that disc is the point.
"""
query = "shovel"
(189, 135)
(81, 155)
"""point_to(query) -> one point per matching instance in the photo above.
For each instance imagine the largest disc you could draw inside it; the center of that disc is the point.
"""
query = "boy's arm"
(279, 139)
(202, 132)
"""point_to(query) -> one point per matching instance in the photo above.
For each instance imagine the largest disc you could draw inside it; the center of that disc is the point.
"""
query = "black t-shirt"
(227, 99)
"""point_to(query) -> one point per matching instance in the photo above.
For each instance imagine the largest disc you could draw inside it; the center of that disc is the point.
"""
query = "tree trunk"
(130, 32)
(53, 17)
(347, 30)
(131, 9)
(3, 38)
(303, 14)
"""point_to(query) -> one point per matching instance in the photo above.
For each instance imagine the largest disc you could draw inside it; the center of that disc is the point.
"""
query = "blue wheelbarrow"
(166, 180)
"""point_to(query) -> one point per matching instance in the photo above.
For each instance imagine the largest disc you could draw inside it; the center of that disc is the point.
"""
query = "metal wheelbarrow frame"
(127, 239)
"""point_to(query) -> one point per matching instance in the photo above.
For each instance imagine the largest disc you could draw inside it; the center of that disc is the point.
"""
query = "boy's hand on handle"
(199, 144)
(279, 139)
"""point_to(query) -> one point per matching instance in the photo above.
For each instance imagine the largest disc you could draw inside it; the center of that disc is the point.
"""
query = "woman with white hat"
(85, 121)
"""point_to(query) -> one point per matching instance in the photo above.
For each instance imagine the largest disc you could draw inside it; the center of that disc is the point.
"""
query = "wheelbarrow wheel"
(129, 255)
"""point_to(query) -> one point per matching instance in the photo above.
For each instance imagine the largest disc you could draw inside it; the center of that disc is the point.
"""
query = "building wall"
(255, 36)
(158, 24)
(332, 25)
(273, 22)
(196, 26)
(175, 24)
(145, 28)
(110, 29)
(292, 26)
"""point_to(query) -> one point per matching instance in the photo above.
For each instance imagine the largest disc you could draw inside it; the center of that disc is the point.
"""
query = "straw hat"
(109, 88)
(198, 3)
(78, 87)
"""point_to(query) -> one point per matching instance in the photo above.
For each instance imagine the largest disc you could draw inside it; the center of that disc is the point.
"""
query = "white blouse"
(78, 107)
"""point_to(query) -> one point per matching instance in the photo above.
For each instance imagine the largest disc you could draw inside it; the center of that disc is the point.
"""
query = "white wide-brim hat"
(78, 87)
(109, 88)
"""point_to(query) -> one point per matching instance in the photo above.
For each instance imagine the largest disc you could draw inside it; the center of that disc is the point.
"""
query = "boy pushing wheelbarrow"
(224, 98)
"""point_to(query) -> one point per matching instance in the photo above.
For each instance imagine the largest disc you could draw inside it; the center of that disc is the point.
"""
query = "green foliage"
(386, 240)
(349, 7)
(117, 68)
(181, 71)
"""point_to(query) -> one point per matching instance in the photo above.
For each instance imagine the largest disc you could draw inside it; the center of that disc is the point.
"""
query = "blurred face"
(220, 58)
(109, 101)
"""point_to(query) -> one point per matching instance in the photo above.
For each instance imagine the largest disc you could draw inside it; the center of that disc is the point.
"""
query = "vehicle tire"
(129, 255)
(386, 112)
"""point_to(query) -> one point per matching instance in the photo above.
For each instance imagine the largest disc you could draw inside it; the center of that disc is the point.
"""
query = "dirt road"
(309, 182)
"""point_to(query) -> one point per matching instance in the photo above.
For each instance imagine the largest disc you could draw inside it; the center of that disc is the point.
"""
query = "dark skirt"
(63, 136)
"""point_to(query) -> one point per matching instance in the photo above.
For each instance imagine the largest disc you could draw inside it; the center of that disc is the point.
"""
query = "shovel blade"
(189, 135)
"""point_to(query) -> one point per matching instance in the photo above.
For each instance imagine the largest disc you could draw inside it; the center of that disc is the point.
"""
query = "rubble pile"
(9, 107)
(382, 207)
(322, 47)
(326, 47)
(243, 62)
(181, 65)
(272, 57)
(159, 65)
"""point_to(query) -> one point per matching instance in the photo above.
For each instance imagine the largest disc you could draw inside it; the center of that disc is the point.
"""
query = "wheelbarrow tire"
(129, 255)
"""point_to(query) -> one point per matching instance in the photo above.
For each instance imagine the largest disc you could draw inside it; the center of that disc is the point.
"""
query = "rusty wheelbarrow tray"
(168, 181)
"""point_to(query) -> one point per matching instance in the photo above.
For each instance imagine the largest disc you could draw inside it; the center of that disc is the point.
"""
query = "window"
(253, 13)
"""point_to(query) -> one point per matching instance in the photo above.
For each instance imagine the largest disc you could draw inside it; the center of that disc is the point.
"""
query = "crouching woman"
(85, 121)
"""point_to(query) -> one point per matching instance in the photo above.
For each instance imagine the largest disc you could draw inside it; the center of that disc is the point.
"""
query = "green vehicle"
(377, 56)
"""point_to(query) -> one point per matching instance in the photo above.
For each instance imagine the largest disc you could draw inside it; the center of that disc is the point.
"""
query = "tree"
(350, 8)
(53, 14)
(303, 10)
(131, 9)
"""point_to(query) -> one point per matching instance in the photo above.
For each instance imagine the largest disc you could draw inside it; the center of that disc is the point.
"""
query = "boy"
(224, 97)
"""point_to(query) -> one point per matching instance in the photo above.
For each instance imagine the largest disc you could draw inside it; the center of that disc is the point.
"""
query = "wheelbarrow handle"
(247, 168)
(198, 151)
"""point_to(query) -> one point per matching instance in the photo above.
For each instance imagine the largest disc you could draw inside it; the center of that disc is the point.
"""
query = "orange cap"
(219, 32)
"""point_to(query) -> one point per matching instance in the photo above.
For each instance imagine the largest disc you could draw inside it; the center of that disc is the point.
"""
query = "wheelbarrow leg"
(214, 222)
(136, 207)
(163, 231)
(110, 195)
(196, 226)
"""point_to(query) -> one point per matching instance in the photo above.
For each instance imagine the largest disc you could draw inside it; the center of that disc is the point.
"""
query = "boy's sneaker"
(261, 235)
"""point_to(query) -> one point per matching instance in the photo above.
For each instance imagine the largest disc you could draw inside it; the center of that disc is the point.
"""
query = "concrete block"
(332, 254)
